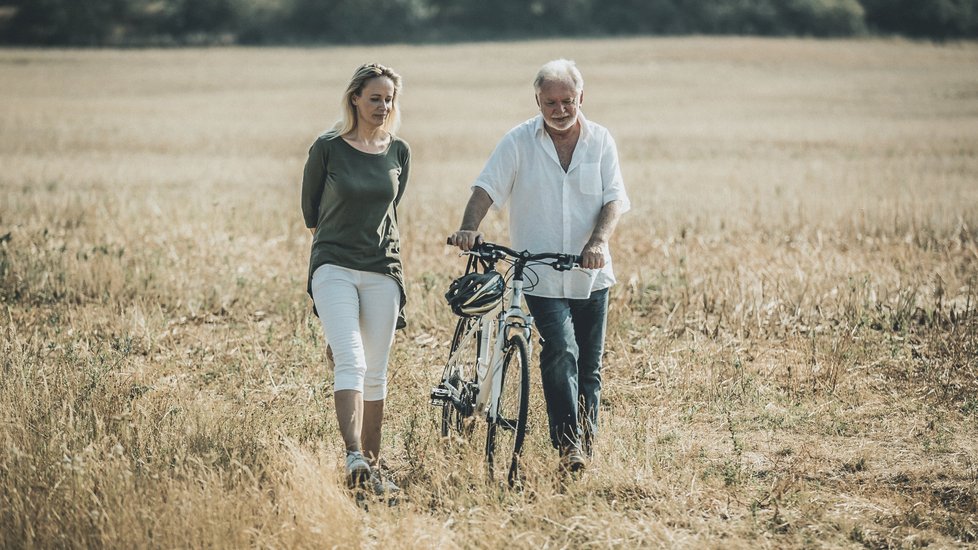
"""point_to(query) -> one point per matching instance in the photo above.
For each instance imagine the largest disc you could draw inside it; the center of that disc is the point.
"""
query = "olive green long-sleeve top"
(351, 198)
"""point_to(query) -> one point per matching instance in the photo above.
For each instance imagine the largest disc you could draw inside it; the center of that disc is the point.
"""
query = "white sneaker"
(382, 486)
(357, 469)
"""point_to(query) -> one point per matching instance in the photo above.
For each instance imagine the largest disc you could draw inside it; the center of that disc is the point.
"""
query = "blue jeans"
(570, 363)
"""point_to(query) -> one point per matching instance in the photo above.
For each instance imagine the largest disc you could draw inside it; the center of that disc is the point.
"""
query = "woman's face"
(559, 103)
(375, 101)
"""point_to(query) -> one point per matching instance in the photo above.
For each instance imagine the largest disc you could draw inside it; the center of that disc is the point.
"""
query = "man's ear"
(580, 100)
(536, 98)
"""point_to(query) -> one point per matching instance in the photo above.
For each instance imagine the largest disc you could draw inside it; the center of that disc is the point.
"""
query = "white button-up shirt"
(552, 210)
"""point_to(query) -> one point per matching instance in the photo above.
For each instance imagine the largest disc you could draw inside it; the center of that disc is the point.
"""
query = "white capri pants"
(358, 310)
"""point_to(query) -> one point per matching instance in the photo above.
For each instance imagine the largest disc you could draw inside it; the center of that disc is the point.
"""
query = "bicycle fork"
(491, 382)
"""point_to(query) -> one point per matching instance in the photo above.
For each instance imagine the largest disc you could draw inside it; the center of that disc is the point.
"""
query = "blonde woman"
(353, 181)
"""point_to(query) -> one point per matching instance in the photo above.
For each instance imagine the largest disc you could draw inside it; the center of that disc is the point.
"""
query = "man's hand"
(468, 234)
(592, 257)
(466, 240)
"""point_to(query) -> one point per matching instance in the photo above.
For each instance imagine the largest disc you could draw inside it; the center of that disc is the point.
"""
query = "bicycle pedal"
(440, 396)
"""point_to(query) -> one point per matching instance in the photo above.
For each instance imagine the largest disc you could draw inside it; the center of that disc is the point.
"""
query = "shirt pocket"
(589, 178)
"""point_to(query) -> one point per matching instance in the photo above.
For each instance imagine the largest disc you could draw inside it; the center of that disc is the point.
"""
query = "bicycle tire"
(505, 436)
(458, 373)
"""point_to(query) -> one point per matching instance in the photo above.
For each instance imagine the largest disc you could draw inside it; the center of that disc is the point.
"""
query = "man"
(560, 174)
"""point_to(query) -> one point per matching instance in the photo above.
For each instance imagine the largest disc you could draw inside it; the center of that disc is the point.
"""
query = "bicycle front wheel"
(504, 438)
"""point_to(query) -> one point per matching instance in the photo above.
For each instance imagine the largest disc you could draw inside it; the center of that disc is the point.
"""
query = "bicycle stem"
(517, 300)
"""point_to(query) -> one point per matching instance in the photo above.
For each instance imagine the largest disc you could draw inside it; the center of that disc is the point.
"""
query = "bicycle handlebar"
(485, 249)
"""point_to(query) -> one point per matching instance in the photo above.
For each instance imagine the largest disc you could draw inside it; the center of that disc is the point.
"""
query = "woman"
(353, 181)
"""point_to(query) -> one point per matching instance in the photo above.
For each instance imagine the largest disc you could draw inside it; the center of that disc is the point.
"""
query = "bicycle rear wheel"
(504, 437)
(459, 374)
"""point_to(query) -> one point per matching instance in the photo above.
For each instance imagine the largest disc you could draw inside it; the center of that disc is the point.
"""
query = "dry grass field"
(792, 343)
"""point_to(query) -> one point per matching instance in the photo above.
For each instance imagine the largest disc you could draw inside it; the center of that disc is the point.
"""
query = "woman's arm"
(313, 181)
(402, 178)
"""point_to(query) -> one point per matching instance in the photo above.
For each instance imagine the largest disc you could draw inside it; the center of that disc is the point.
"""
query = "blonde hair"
(348, 111)
(559, 70)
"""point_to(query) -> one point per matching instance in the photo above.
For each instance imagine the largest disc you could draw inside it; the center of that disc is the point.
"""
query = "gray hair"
(559, 70)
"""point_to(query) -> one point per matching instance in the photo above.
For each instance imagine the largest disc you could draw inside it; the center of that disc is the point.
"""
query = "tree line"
(183, 22)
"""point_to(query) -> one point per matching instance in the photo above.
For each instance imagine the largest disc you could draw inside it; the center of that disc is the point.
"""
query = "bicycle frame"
(498, 348)
(493, 333)
(511, 317)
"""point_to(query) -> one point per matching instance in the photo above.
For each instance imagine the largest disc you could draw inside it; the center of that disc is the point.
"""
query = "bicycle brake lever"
(565, 263)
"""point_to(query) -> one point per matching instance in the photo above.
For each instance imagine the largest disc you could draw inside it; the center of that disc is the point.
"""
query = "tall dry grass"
(791, 353)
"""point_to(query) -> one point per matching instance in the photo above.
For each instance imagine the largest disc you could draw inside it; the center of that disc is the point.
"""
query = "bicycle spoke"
(504, 438)
(507, 423)
(508, 406)
(457, 397)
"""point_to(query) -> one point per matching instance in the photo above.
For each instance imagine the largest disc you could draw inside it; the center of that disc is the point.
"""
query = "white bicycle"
(487, 372)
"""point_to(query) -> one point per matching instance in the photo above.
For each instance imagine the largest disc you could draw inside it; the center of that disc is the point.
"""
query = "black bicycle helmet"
(475, 293)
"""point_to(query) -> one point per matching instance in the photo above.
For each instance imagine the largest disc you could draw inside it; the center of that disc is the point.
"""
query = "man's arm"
(592, 257)
(468, 234)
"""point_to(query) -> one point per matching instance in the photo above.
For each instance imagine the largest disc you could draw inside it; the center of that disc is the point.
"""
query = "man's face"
(559, 103)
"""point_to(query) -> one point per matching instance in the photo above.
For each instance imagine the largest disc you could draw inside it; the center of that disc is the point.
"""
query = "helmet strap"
(472, 266)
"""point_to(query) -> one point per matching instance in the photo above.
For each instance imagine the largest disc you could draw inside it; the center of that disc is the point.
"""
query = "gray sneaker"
(357, 469)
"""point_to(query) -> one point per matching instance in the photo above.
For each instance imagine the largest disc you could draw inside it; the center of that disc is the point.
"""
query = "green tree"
(940, 19)
(64, 22)
(177, 19)
(637, 16)
(353, 21)
(823, 17)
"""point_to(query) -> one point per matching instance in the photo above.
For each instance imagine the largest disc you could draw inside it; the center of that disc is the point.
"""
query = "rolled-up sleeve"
(313, 181)
(611, 181)
(499, 173)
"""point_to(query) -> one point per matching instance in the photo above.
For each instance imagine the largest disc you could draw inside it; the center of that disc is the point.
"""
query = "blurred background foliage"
(189, 22)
